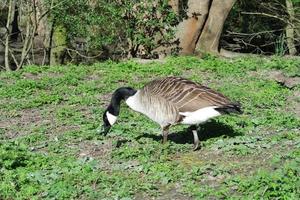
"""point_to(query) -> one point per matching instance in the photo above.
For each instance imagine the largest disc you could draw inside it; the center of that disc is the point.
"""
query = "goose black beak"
(104, 129)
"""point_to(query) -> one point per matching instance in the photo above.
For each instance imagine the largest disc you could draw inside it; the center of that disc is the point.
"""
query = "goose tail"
(234, 107)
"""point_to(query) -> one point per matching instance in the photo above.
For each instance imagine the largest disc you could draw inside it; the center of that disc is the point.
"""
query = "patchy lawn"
(50, 149)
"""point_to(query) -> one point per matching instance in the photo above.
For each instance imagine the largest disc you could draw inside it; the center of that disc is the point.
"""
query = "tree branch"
(10, 16)
(266, 15)
(84, 56)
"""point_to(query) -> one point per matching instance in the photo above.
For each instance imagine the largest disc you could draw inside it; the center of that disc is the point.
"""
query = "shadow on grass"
(205, 131)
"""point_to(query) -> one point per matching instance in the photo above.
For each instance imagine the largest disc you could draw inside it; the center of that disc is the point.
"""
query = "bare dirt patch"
(95, 149)
(28, 119)
(170, 194)
(99, 150)
(236, 164)
(294, 103)
(31, 76)
(146, 61)
(93, 77)
(24, 118)
(104, 98)
(39, 76)
(278, 76)
(58, 125)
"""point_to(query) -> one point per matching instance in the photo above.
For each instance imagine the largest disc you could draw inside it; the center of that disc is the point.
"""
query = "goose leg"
(165, 132)
(196, 140)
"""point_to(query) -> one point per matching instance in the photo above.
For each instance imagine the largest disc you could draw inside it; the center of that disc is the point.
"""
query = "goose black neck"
(120, 94)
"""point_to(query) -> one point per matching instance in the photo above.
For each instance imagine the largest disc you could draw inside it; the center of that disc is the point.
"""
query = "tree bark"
(190, 28)
(10, 17)
(203, 26)
(59, 41)
(45, 28)
(26, 40)
(210, 36)
(31, 28)
(289, 30)
(175, 5)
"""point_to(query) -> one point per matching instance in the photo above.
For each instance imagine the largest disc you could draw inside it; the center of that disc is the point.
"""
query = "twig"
(251, 34)
(264, 14)
(84, 56)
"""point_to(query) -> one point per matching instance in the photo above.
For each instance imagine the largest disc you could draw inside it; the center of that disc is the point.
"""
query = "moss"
(59, 42)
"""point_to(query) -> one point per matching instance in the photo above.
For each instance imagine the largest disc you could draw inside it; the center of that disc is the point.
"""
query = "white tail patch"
(111, 118)
(199, 116)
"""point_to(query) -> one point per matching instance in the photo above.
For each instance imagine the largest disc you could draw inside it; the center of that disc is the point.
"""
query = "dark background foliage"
(77, 31)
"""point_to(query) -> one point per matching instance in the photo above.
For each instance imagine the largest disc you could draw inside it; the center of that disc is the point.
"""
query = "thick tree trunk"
(190, 28)
(210, 36)
(59, 40)
(203, 26)
(44, 29)
(290, 29)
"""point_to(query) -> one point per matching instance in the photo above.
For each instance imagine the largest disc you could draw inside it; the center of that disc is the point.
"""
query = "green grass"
(50, 149)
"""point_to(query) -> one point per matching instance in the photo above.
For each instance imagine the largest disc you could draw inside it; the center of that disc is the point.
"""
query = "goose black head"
(111, 114)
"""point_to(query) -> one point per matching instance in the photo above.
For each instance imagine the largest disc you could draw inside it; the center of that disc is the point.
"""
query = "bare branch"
(266, 15)
(10, 16)
(84, 56)
(255, 34)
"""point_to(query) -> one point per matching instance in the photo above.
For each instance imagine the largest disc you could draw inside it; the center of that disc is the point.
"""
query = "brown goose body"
(173, 100)
(170, 100)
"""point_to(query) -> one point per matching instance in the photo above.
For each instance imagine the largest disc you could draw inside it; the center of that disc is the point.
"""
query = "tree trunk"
(210, 36)
(10, 17)
(59, 41)
(289, 30)
(203, 26)
(188, 30)
(44, 29)
(26, 40)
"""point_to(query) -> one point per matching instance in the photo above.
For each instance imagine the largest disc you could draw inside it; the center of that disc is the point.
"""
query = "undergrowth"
(50, 148)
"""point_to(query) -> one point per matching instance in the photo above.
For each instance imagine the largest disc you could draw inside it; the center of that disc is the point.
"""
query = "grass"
(50, 149)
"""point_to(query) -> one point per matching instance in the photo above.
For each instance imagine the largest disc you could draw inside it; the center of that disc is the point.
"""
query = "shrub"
(125, 28)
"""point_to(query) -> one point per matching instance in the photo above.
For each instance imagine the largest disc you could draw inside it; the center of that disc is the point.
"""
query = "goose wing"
(185, 95)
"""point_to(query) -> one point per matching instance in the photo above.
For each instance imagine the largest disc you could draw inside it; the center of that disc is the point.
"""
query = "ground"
(50, 147)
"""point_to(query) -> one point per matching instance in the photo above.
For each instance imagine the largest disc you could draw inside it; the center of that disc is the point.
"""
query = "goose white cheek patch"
(111, 118)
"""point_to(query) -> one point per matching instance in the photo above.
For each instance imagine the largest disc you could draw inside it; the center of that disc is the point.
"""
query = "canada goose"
(169, 101)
